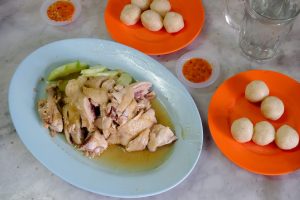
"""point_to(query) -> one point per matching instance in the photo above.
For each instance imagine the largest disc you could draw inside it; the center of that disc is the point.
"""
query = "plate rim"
(21, 136)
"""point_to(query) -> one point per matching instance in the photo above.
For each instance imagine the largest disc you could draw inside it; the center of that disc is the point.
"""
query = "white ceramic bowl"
(45, 17)
(197, 54)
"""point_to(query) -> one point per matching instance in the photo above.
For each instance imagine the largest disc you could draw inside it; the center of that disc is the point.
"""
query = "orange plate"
(228, 104)
(155, 43)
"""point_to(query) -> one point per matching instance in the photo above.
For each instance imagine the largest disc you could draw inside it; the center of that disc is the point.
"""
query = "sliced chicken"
(98, 123)
(126, 99)
(143, 104)
(104, 123)
(149, 115)
(128, 113)
(87, 113)
(74, 94)
(118, 88)
(106, 133)
(95, 144)
(141, 86)
(95, 82)
(134, 126)
(99, 96)
(73, 89)
(159, 136)
(72, 129)
(82, 80)
(151, 95)
(130, 110)
(108, 84)
(88, 110)
(111, 111)
(141, 89)
(134, 91)
(114, 137)
(140, 142)
(117, 96)
(49, 112)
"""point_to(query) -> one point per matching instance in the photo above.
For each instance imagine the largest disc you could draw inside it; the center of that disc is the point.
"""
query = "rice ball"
(161, 6)
(151, 20)
(173, 22)
(130, 14)
(142, 4)
(286, 137)
(256, 91)
(272, 108)
(242, 130)
(264, 133)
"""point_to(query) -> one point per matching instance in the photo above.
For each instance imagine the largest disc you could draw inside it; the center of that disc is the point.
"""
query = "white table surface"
(214, 177)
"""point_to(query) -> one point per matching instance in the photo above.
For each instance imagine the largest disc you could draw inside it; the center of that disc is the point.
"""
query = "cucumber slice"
(62, 85)
(66, 70)
(93, 70)
(104, 73)
(125, 79)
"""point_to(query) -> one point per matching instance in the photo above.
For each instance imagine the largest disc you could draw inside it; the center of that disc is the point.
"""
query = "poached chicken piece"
(97, 112)
(140, 142)
(49, 112)
(160, 135)
(95, 144)
(134, 126)
(72, 129)
(74, 94)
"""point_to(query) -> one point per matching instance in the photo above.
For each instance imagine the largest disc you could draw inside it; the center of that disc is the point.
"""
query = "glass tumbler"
(264, 26)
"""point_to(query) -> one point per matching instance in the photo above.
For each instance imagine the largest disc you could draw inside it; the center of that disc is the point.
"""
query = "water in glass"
(265, 25)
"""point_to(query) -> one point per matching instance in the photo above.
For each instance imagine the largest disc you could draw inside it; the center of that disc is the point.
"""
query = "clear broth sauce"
(116, 158)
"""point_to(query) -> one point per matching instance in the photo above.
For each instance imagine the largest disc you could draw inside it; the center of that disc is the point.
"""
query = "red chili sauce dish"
(197, 70)
(61, 11)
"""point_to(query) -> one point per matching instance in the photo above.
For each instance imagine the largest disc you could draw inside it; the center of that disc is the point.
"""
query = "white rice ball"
(272, 108)
(130, 14)
(264, 133)
(173, 22)
(151, 20)
(242, 130)
(142, 4)
(286, 137)
(256, 91)
(161, 6)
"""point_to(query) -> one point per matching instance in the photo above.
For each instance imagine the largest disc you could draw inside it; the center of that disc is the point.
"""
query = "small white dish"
(197, 54)
(45, 17)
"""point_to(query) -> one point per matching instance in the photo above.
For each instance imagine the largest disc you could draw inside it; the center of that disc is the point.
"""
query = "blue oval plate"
(69, 164)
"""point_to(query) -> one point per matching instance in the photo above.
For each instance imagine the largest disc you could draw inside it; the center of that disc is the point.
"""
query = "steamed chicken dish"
(101, 107)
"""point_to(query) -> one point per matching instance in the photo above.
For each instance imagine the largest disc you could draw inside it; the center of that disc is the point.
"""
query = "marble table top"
(214, 177)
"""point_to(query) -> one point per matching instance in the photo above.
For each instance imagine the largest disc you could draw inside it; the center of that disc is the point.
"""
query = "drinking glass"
(264, 26)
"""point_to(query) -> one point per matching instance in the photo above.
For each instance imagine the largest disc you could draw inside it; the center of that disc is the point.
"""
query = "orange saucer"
(155, 43)
(228, 103)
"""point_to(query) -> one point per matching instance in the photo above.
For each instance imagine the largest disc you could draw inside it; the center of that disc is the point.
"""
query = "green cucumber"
(125, 79)
(66, 70)
(104, 73)
(93, 70)
(62, 85)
